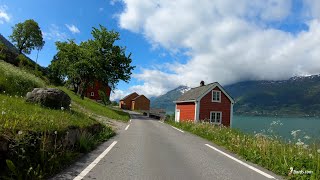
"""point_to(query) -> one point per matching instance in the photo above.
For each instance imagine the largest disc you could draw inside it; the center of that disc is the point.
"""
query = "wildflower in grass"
(55, 132)
(19, 132)
(318, 151)
(310, 156)
(295, 133)
(3, 113)
(62, 108)
(306, 137)
(299, 143)
(305, 146)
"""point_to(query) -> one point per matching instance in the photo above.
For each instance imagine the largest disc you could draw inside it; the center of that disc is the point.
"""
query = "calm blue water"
(280, 126)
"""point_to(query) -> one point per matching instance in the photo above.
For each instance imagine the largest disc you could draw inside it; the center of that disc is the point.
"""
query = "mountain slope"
(166, 101)
(296, 96)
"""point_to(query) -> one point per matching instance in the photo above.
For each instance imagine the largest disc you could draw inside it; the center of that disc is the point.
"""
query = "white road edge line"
(130, 120)
(177, 129)
(127, 127)
(241, 162)
(94, 163)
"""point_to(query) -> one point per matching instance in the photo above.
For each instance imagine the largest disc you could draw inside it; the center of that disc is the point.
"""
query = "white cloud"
(72, 28)
(312, 8)
(226, 41)
(54, 33)
(4, 16)
(101, 9)
(117, 95)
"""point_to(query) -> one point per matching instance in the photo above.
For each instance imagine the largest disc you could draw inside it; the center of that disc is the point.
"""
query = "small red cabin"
(208, 103)
(93, 90)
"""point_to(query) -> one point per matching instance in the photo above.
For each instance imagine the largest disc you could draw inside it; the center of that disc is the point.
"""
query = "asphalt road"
(149, 149)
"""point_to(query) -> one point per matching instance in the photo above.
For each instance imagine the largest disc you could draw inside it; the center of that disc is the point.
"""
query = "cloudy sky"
(182, 42)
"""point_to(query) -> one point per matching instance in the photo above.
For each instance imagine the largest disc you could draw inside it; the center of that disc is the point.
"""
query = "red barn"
(140, 103)
(126, 102)
(207, 102)
(93, 90)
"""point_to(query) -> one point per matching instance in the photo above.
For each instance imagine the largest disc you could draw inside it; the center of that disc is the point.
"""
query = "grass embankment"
(15, 81)
(97, 108)
(270, 153)
(36, 142)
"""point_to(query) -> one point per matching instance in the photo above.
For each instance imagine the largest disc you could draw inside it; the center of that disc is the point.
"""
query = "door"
(177, 115)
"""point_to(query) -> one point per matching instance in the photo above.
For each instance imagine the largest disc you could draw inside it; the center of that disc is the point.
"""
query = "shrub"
(104, 97)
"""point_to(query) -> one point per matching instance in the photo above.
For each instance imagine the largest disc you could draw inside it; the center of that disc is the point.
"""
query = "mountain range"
(297, 96)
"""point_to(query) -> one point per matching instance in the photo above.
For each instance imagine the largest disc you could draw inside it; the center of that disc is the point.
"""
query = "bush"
(104, 97)
(15, 81)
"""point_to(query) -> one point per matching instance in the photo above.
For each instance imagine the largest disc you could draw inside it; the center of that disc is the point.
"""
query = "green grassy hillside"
(34, 140)
(97, 108)
(15, 81)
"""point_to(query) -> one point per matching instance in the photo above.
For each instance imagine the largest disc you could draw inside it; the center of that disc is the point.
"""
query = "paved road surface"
(149, 149)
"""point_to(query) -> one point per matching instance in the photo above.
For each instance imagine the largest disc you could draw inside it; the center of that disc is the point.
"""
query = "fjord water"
(286, 127)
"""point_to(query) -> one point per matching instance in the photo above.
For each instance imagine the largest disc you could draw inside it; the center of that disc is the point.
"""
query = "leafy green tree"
(27, 36)
(114, 65)
(97, 59)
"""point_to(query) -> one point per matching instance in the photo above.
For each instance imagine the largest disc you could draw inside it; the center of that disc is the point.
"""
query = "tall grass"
(16, 114)
(97, 108)
(37, 135)
(270, 153)
(15, 81)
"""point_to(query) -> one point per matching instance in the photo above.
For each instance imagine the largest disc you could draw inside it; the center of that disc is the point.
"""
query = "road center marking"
(95, 162)
(177, 129)
(241, 162)
(127, 127)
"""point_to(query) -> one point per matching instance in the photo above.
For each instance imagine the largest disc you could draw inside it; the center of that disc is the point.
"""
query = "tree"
(27, 36)
(112, 61)
(97, 59)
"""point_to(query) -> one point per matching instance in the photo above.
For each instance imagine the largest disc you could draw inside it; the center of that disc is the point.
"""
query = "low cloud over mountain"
(226, 41)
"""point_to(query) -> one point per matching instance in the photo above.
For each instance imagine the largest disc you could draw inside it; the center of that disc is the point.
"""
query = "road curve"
(148, 149)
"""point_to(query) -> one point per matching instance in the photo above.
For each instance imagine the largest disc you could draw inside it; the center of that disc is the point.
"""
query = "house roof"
(128, 96)
(139, 97)
(195, 93)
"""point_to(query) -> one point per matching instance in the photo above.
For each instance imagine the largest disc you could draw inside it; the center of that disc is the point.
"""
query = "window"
(215, 117)
(92, 94)
(216, 96)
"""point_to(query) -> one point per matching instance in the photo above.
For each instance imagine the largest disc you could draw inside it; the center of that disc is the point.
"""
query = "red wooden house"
(207, 102)
(93, 90)
(135, 101)
(126, 102)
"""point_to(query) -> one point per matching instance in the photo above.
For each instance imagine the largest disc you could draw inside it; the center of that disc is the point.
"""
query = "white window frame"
(215, 120)
(213, 95)
(92, 94)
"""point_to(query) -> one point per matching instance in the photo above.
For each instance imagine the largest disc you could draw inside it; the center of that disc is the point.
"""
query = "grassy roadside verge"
(269, 153)
(97, 108)
(36, 142)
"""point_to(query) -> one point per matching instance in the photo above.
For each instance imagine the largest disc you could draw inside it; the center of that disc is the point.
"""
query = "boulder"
(49, 97)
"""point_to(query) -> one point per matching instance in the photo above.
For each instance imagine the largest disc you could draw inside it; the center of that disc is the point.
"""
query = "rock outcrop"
(49, 97)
